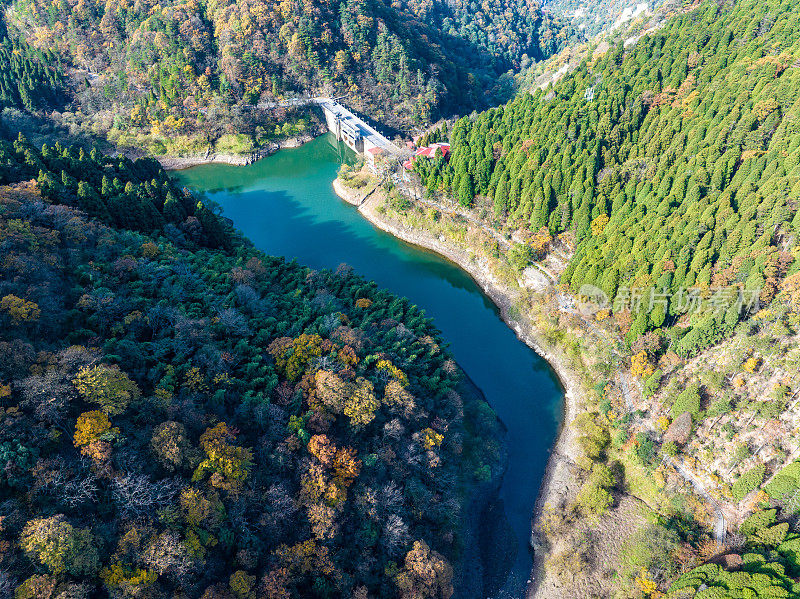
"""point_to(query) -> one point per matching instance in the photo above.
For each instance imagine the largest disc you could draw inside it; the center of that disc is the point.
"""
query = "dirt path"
(720, 524)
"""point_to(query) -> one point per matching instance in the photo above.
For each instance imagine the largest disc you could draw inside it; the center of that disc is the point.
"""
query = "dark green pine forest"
(672, 163)
(29, 79)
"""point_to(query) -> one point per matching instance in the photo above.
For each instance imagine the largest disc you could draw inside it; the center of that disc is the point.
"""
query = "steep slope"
(181, 419)
(591, 17)
(29, 79)
(182, 66)
(136, 195)
(672, 163)
(660, 182)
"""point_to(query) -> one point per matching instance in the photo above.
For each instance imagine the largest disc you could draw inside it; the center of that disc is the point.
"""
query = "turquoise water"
(285, 204)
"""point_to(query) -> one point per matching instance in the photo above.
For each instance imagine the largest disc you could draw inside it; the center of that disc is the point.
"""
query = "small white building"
(373, 156)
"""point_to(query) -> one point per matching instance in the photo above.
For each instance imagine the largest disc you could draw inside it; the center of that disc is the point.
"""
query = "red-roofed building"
(428, 152)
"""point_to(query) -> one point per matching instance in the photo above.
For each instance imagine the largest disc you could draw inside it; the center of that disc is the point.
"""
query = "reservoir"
(286, 205)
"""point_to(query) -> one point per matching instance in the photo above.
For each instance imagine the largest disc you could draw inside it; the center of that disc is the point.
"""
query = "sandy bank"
(181, 162)
(559, 481)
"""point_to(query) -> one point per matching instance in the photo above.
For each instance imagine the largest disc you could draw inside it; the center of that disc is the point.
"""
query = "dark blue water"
(285, 204)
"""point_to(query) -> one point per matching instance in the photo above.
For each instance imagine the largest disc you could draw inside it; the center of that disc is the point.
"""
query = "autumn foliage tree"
(426, 574)
(59, 546)
(228, 464)
(19, 309)
(241, 427)
(107, 386)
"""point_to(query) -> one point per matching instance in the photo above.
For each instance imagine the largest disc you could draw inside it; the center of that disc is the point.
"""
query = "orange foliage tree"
(426, 575)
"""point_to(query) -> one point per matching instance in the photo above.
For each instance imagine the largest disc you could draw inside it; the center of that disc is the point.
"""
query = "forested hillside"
(189, 68)
(29, 79)
(182, 415)
(602, 16)
(660, 182)
(136, 195)
(673, 163)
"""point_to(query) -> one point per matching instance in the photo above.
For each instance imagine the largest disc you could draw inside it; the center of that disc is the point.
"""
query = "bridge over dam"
(359, 135)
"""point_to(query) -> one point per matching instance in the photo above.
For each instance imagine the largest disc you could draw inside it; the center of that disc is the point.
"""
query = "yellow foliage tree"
(540, 243)
(331, 390)
(751, 364)
(396, 396)
(360, 407)
(93, 426)
(393, 371)
(150, 250)
(306, 557)
(117, 576)
(321, 448)
(641, 366)
(645, 583)
(195, 381)
(346, 466)
(426, 575)
(196, 509)
(599, 224)
(59, 546)
(293, 355)
(20, 310)
(107, 386)
(431, 439)
(242, 584)
(228, 464)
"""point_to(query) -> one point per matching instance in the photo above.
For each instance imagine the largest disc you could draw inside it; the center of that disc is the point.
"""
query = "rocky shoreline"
(174, 163)
(559, 481)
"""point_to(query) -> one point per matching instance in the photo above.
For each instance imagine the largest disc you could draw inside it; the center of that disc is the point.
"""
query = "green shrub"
(234, 144)
(688, 401)
(669, 448)
(786, 483)
(594, 438)
(652, 383)
(650, 547)
(757, 522)
(645, 449)
(594, 497)
(749, 481)
(520, 256)
(483, 474)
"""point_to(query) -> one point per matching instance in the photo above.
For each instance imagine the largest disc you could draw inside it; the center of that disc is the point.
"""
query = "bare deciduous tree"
(71, 483)
(47, 395)
(137, 495)
(395, 532)
(167, 554)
